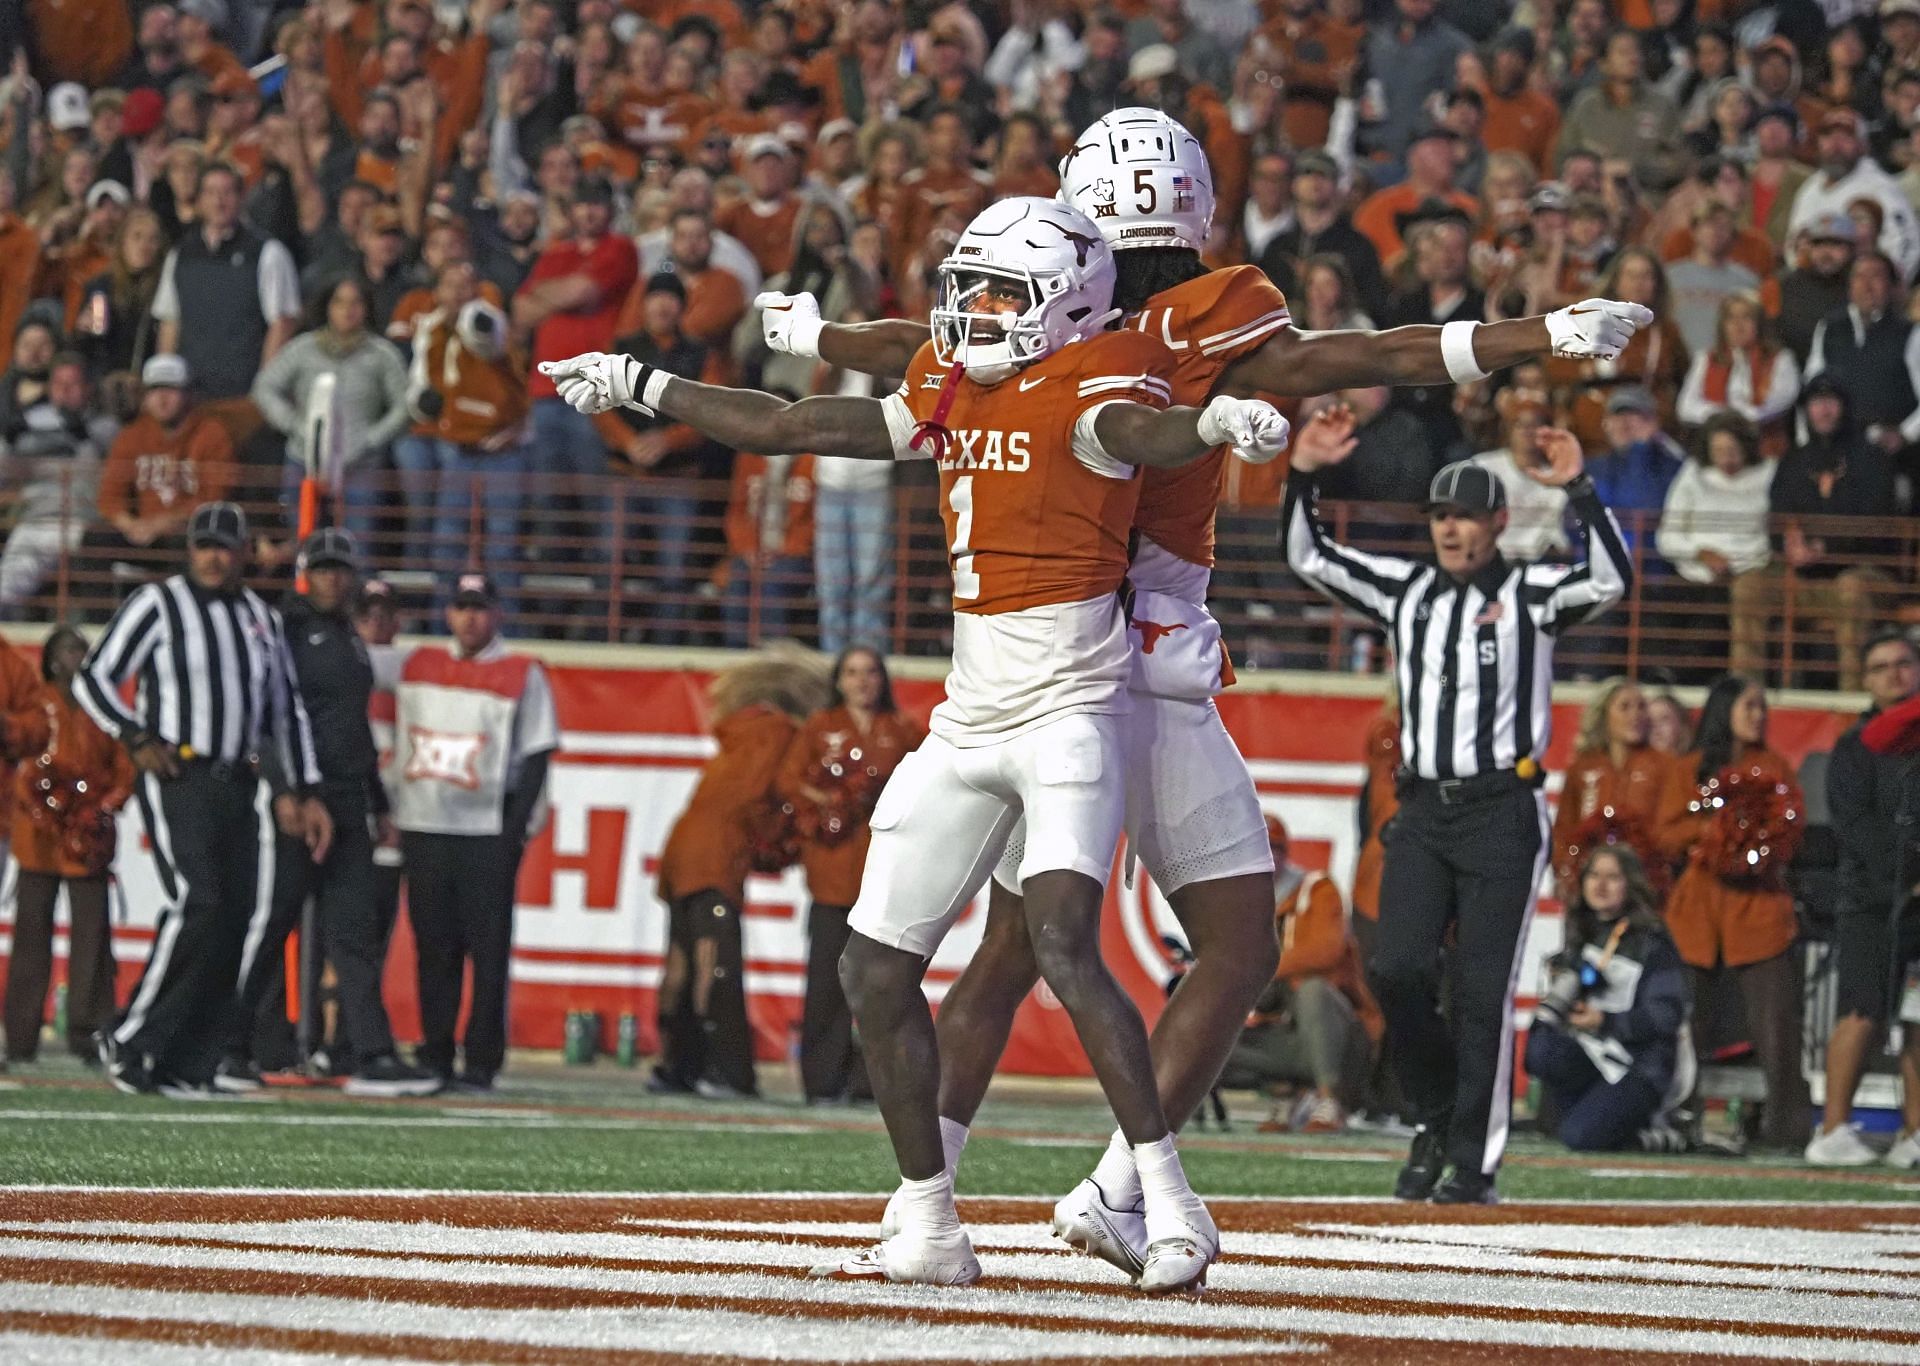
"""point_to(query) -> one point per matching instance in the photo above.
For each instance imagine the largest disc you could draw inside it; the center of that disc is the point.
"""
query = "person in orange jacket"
(1316, 1025)
(63, 835)
(23, 725)
(1612, 789)
(831, 777)
(1733, 812)
(706, 1044)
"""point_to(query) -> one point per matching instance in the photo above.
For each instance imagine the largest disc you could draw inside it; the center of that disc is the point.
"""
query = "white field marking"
(771, 1336)
(1786, 1246)
(1632, 1174)
(443, 1119)
(402, 1315)
(30, 1349)
(1340, 1157)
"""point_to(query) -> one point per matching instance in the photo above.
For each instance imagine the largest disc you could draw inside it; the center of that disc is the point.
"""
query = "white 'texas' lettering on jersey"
(971, 448)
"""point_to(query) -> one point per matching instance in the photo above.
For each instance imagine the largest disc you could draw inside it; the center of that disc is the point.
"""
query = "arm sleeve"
(279, 283)
(524, 800)
(1567, 597)
(1089, 451)
(117, 656)
(901, 424)
(536, 726)
(1370, 584)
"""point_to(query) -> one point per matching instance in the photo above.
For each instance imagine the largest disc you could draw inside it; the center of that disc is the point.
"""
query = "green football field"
(554, 1128)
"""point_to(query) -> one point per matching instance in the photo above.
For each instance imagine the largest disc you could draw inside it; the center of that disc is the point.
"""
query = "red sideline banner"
(589, 930)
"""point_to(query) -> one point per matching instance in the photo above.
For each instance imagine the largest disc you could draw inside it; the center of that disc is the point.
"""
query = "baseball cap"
(474, 589)
(1891, 8)
(1522, 41)
(1550, 196)
(1316, 162)
(67, 107)
(665, 282)
(330, 545)
(1153, 62)
(166, 371)
(593, 189)
(142, 112)
(107, 99)
(107, 189)
(1467, 486)
(218, 524)
(1432, 128)
(1786, 113)
(1631, 398)
(1834, 227)
(846, 128)
(765, 145)
(1843, 120)
(374, 592)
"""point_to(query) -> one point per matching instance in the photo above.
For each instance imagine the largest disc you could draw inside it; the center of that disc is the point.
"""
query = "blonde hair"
(796, 681)
(1593, 721)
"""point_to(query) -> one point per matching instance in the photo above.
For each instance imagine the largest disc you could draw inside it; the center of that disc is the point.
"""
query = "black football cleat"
(1466, 1188)
(1425, 1162)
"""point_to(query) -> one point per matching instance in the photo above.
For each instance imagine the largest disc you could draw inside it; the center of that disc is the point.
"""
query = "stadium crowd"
(245, 240)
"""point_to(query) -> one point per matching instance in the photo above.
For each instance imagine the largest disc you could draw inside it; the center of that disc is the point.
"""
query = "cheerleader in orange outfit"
(832, 777)
(63, 835)
(1733, 811)
(1613, 787)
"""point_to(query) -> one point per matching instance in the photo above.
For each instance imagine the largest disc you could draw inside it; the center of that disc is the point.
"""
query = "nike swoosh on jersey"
(1027, 384)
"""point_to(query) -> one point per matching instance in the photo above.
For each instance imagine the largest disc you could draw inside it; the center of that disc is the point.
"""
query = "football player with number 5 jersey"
(1038, 416)
(1192, 812)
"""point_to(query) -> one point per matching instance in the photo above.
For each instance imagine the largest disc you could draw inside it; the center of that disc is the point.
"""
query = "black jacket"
(1648, 1030)
(336, 680)
(1873, 799)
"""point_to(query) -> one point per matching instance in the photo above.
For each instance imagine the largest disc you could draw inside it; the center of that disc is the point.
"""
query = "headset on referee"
(214, 679)
(1473, 637)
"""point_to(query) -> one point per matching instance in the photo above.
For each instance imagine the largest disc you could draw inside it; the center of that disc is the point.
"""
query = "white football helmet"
(1143, 179)
(1024, 248)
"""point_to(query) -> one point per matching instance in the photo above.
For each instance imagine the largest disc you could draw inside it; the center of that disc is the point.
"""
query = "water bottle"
(628, 1041)
(575, 1050)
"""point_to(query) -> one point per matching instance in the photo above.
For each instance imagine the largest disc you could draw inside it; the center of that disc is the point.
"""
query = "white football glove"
(1595, 329)
(1253, 427)
(790, 323)
(594, 381)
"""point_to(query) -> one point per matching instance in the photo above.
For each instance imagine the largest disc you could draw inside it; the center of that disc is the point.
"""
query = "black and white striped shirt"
(1474, 659)
(214, 674)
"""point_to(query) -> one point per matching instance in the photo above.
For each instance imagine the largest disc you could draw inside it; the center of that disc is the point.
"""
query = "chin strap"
(933, 431)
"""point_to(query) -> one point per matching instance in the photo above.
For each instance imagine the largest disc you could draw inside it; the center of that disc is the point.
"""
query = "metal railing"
(598, 559)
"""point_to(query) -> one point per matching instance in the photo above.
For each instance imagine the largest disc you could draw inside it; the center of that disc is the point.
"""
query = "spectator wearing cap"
(571, 302)
(50, 456)
(228, 298)
(1315, 1026)
(335, 680)
(1443, 292)
(161, 468)
(338, 393)
(1837, 470)
(19, 261)
(1315, 54)
(661, 454)
(474, 727)
(1777, 172)
(1519, 118)
(1801, 298)
(467, 387)
(1410, 55)
(1873, 353)
(1432, 157)
(1701, 282)
(72, 258)
(691, 189)
(946, 181)
(1845, 174)
(1638, 462)
(113, 324)
(68, 117)
(763, 219)
(63, 828)
(1623, 118)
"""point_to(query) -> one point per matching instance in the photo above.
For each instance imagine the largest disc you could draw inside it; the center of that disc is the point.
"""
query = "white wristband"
(655, 386)
(804, 337)
(1456, 349)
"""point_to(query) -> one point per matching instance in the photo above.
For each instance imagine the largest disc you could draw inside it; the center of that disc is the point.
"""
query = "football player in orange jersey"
(1024, 397)
(1192, 811)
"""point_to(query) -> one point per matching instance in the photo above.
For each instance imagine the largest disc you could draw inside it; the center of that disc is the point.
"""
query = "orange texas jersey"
(1028, 522)
(1208, 323)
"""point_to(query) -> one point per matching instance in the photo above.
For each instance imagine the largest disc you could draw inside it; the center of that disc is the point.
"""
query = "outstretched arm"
(791, 324)
(1136, 434)
(1302, 364)
(744, 419)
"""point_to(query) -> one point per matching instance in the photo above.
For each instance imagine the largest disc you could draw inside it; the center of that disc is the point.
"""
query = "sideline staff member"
(1473, 643)
(214, 676)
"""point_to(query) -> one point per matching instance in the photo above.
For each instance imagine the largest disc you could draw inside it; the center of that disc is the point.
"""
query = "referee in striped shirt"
(1473, 639)
(214, 680)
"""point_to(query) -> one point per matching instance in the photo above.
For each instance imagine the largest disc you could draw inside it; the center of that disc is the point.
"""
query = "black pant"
(704, 1034)
(346, 927)
(460, 900)
(30, 967)
(830, 1061)
(1595, 1115)
(1474, 865)
(206, 827)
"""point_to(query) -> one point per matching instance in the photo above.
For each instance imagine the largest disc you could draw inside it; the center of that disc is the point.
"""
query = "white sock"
(953, 1140)
(926, 1207)
(1117, 1175)
(1162, 1179)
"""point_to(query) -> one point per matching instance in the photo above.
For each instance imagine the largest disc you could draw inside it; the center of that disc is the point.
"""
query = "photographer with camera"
(1605, 1040)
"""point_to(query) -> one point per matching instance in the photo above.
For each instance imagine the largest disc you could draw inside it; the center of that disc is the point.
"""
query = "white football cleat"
(1182, 1243)
(910, 1260)
(1841, 1147)
(1084, 1221)
(1905, 1153)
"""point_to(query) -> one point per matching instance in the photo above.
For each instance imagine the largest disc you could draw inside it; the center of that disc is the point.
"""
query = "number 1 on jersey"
(966, 583)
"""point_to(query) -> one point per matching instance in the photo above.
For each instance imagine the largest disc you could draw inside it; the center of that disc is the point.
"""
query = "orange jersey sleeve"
(1028, 521)
(1208, 323)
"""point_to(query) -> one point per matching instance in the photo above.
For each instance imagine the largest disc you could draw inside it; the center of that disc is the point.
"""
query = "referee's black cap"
(1467, 486)
(331, 545)
(221, 524)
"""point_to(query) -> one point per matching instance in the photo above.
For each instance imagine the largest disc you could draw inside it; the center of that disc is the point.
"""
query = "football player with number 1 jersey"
(1037, 415)
(1192, 813)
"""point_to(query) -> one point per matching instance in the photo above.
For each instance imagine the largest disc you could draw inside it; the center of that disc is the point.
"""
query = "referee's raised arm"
(1561, 597)
(1372, 585)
